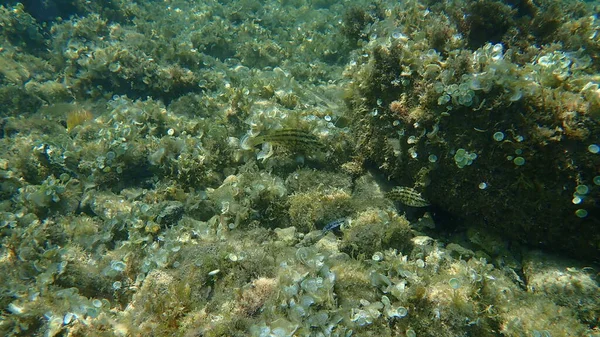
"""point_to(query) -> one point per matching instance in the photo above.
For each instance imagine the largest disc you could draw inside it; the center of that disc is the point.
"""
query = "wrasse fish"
(293, 139)
(334, 225)
(408, 196)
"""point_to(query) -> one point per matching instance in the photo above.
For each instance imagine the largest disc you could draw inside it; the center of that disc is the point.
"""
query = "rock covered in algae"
(170, 227)
(375, 230)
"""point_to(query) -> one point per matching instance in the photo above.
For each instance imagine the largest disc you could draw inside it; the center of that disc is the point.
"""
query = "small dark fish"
(408, 196)
(293, 139)
(334, 225)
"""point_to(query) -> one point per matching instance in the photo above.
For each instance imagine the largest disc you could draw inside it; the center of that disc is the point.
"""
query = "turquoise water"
(299, 168)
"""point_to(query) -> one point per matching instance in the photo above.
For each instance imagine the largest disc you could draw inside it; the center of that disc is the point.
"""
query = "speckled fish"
(292, 139)
(408, 196)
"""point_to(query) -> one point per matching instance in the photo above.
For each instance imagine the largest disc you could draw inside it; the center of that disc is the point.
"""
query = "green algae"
(153, 218)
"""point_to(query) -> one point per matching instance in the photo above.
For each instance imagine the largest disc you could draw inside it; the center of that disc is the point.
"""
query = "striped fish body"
(292, 139)
(408, 196)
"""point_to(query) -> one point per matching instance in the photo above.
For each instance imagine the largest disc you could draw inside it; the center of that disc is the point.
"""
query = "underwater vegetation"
(490, 123)
(292, 168)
